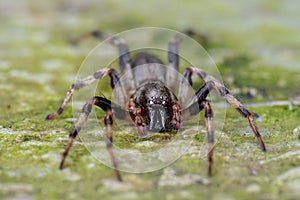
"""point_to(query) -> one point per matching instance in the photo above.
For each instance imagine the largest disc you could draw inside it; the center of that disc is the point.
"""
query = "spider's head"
(155, 101)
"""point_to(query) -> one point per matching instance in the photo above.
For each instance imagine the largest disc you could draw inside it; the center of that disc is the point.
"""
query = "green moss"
(280, 85)
(37, 66)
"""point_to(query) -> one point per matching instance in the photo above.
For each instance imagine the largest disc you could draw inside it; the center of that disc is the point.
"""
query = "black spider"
(152, 106)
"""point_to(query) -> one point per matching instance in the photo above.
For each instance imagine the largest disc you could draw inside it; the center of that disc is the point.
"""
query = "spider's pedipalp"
(136, 115)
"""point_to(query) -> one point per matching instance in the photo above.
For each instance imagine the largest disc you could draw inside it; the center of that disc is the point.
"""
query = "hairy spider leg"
(125, 62)
(173, 59)
(210, 132)
(120, 43)
(224, 92)
(194, 109)
(201, 94)
(88, 81)
(124, 54)
(110, 109)
(173, 53)
(105, 104)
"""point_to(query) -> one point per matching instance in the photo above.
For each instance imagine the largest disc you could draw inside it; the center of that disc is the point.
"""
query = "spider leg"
(124, 55)
(212, 83)
(173, 53)
(194, 109)
(173, 58)
(173, 50)
(173, 46)
(121, 44)
(124, 61)
(116, 41)
(197, 106)
(109, 142)
(109, 108)
(210, 132)
(199, 37)
(87, 81)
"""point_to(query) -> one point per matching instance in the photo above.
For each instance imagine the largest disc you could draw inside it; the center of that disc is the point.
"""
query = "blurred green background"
(256, 46)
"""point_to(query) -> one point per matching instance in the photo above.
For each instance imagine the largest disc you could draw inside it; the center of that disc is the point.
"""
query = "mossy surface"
(255, 47)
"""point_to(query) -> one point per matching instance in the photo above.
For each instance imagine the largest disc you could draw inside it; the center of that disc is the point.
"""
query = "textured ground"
(256, 48)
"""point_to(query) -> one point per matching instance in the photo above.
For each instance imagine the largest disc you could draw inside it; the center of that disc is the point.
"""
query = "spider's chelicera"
(151, 105)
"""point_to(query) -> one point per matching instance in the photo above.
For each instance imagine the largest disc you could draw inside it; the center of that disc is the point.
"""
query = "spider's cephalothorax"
(149, 100)
(156, 102)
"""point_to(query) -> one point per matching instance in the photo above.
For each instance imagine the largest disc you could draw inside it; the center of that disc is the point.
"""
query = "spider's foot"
(209, 173)
(97, 34)
(55, 114)
(62, 163)
(262, 144)
(119, 177)
(51, 116)
(73, 41)
(255, 115)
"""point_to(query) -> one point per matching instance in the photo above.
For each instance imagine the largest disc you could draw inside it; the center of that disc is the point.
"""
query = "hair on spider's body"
(151, 105)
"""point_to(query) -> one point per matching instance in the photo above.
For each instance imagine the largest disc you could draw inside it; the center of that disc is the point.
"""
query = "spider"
(151, 105)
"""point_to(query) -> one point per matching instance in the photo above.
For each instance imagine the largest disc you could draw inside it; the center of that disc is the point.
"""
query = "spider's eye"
(156, 100)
